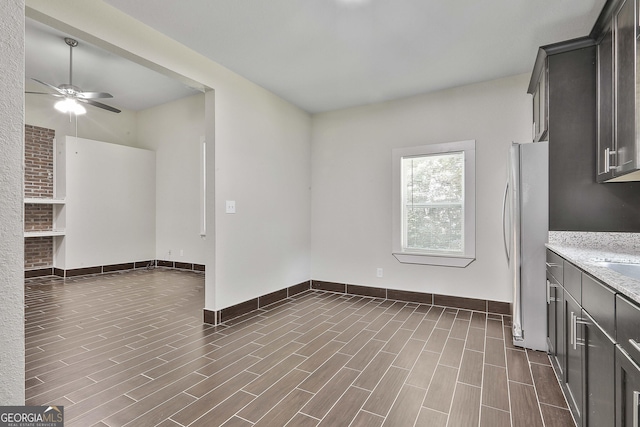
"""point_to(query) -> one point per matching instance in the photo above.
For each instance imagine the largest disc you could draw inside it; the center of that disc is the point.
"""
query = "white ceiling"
(323, 55)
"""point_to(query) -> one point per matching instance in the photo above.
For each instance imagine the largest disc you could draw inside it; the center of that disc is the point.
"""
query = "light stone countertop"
(585, 249)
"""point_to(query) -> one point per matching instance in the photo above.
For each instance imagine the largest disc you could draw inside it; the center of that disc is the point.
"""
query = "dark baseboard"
(38, 272)
(111, 268)
(485, 306)
(219, 316)
(214, 317)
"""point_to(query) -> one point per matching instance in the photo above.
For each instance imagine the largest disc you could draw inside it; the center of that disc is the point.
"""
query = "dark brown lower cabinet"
(554, 318)
(561, 337)
(581, 322)
(599, 385)
(573, 361)
(627, 390)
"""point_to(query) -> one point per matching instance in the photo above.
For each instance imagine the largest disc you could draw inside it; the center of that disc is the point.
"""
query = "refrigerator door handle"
(504, 218)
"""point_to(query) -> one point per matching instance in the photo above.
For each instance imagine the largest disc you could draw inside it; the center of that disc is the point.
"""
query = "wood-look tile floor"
(131, 349)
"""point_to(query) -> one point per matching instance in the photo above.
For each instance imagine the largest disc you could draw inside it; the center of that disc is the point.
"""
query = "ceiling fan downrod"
(72, 43)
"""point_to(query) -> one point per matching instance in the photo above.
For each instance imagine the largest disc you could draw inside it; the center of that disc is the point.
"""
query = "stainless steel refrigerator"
(525, 227)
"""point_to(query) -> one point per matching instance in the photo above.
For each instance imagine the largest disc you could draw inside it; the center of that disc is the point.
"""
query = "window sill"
(445, 261)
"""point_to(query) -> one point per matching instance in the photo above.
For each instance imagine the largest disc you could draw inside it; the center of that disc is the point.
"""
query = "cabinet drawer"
(628, 326)
(554, 265)
(599, 301)
(573, 281)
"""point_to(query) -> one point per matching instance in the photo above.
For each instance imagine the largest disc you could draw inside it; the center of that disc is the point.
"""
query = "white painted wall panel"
(351, 198)
(173, 131)
(110, 204)
(263, 163)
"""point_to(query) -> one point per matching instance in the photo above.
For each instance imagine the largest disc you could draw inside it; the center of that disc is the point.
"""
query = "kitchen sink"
(625, 268)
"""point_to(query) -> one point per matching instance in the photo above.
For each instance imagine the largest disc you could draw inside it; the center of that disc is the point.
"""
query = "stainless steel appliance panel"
(526, 227)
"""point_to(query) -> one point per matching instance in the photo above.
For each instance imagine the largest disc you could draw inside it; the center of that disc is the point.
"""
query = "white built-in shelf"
(44, 233)
(43, 201)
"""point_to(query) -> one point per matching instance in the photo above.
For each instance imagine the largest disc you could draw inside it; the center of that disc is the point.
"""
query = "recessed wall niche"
(38, 186)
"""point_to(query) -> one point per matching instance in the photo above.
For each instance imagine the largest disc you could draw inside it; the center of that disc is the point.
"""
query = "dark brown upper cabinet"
(539, 89)
(618, 83)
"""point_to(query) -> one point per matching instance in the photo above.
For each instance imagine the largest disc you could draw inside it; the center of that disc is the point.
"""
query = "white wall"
(11, 206)
(173, 131)
(110, 204)
(263, 163)
(351, 211)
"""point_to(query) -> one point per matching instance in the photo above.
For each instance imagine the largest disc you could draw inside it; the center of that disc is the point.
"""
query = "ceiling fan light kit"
(72, 94)
(69, 105)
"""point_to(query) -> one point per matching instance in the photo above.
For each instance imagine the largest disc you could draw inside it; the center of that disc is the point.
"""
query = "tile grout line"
(484, 351)
(535, 388)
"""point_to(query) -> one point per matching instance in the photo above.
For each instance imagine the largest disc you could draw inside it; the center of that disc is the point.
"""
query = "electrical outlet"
(379, 272)
(181, 252)
(230, 207)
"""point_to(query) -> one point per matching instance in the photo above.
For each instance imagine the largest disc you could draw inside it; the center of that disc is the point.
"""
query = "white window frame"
(443, 258)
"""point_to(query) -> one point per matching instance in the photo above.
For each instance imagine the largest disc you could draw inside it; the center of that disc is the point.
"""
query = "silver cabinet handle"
(573, 330)
(549, 286)
(575, 320)
(607, 159)
(636, 399)
(548, 292)
(552, 265)
(634, 344)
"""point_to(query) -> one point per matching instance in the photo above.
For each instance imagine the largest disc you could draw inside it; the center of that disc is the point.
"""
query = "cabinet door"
(625, 87)
(551, 314)
(561, 337)
(605, 106)
(536, 113)
(573, 331)
(599, 356)
(544, 104)
(627, 393)
(541, 106)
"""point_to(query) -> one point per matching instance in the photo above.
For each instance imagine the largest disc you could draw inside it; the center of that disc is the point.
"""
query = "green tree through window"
(433, 213)
(434, 202)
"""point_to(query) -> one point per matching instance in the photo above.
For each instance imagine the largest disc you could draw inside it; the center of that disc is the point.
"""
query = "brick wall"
(38, 217)
(38, 183)
(38, 161)
(38, 252)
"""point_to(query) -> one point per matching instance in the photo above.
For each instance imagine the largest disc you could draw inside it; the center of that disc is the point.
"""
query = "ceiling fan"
(73, 94)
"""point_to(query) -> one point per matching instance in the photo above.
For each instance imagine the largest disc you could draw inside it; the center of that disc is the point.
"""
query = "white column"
(11, 202)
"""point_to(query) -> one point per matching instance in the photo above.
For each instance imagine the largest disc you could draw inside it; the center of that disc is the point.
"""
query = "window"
(434, 204)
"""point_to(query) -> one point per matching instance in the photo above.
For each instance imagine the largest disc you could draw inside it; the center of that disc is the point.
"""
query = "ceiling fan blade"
(98, 104)
(92, 95)
(60, 91)
(45, 93)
